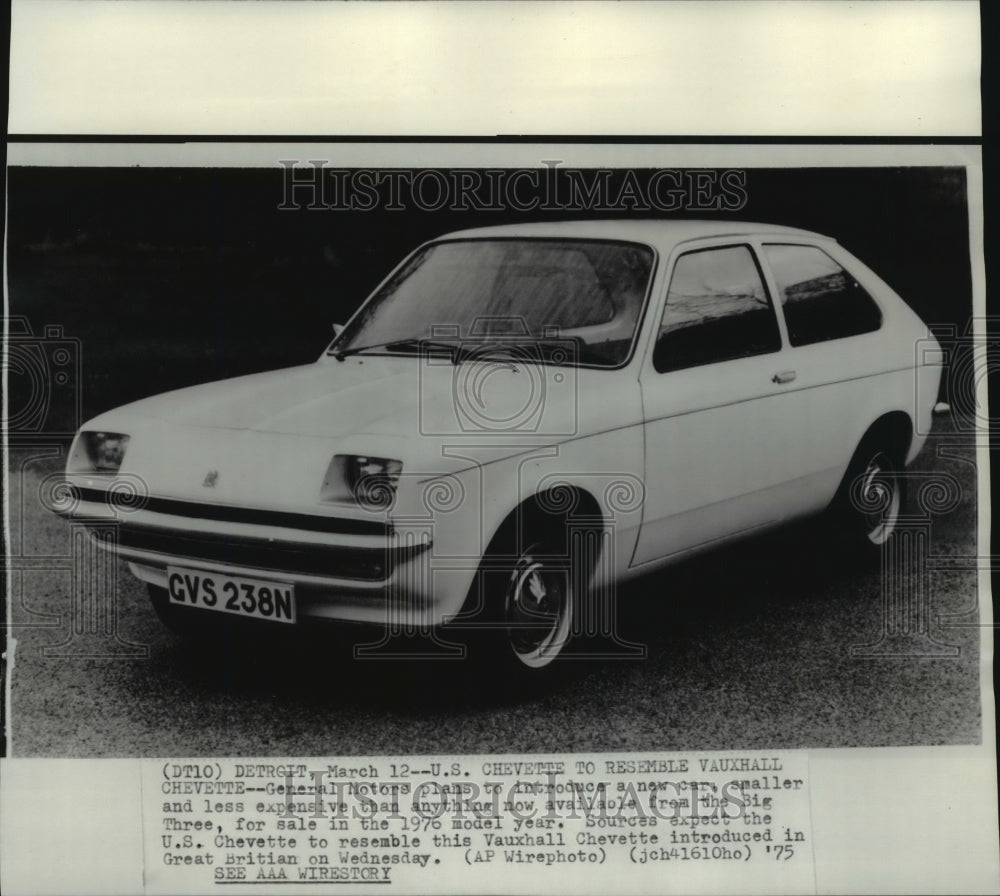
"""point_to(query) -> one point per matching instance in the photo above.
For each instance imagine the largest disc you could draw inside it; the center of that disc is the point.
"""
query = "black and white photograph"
(497, 448)
(665, 440)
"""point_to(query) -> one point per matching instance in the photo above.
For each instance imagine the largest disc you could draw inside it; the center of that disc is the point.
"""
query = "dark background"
(171, 277)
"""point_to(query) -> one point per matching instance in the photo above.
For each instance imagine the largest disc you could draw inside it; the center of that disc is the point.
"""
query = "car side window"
(820, 299)
(717, 310)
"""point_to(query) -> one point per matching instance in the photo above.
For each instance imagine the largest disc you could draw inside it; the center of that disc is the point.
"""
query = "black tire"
(529, 600)
(871, 498)
(537, 607)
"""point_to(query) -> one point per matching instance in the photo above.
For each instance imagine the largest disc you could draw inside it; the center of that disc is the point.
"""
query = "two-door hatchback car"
(517, 419)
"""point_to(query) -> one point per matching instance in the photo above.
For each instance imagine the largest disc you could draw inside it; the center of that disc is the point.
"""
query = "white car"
(516, 420)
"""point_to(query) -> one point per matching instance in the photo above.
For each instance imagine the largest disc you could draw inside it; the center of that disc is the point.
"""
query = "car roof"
(660, 233)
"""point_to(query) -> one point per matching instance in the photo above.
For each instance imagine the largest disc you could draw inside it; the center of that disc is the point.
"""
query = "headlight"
(369, 481)
(99, 452)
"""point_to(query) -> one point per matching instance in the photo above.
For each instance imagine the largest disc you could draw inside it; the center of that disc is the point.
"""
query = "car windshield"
(579, 300)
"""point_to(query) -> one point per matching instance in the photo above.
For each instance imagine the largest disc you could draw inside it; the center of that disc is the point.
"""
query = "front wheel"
(527, 599)
(537, 607)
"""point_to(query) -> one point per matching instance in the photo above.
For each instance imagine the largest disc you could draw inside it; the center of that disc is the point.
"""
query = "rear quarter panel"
(844, 386)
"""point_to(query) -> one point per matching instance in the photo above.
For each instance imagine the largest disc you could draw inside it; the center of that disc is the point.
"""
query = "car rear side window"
(717, 310)
(820, 299)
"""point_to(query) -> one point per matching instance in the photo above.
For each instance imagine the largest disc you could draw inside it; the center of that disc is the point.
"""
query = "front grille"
(368, 564)
(224, 513)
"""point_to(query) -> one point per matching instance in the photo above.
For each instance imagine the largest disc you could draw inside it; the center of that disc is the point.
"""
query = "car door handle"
(783, 376)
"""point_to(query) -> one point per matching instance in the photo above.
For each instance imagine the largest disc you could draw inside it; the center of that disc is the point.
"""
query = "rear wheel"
(881, 499)
(871, 498)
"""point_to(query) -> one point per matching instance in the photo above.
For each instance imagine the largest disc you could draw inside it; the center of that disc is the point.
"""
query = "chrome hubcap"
(537, 611)
(880, 494)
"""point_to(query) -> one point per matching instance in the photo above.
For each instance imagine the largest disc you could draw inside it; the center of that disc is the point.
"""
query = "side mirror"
(337, 330)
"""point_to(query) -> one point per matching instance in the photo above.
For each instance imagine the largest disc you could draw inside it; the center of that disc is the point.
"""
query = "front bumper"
(358, 569)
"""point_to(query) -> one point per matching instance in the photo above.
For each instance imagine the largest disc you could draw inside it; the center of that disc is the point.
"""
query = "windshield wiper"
(559, 352)
(405, 345)
(514, 351)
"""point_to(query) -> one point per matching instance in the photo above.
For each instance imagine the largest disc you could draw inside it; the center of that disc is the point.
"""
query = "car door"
(714, 399)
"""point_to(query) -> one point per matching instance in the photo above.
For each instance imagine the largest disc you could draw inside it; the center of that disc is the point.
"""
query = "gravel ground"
(747, 647)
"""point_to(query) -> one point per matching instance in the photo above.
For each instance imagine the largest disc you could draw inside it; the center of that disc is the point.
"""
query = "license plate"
(253, 598)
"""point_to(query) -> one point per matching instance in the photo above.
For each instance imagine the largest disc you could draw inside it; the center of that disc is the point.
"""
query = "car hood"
(268, 439)
(323, 399)
(399, 397)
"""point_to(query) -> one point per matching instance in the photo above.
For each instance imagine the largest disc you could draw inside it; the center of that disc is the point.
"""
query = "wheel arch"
(552, 506)
(545, 515)
(893, 431)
